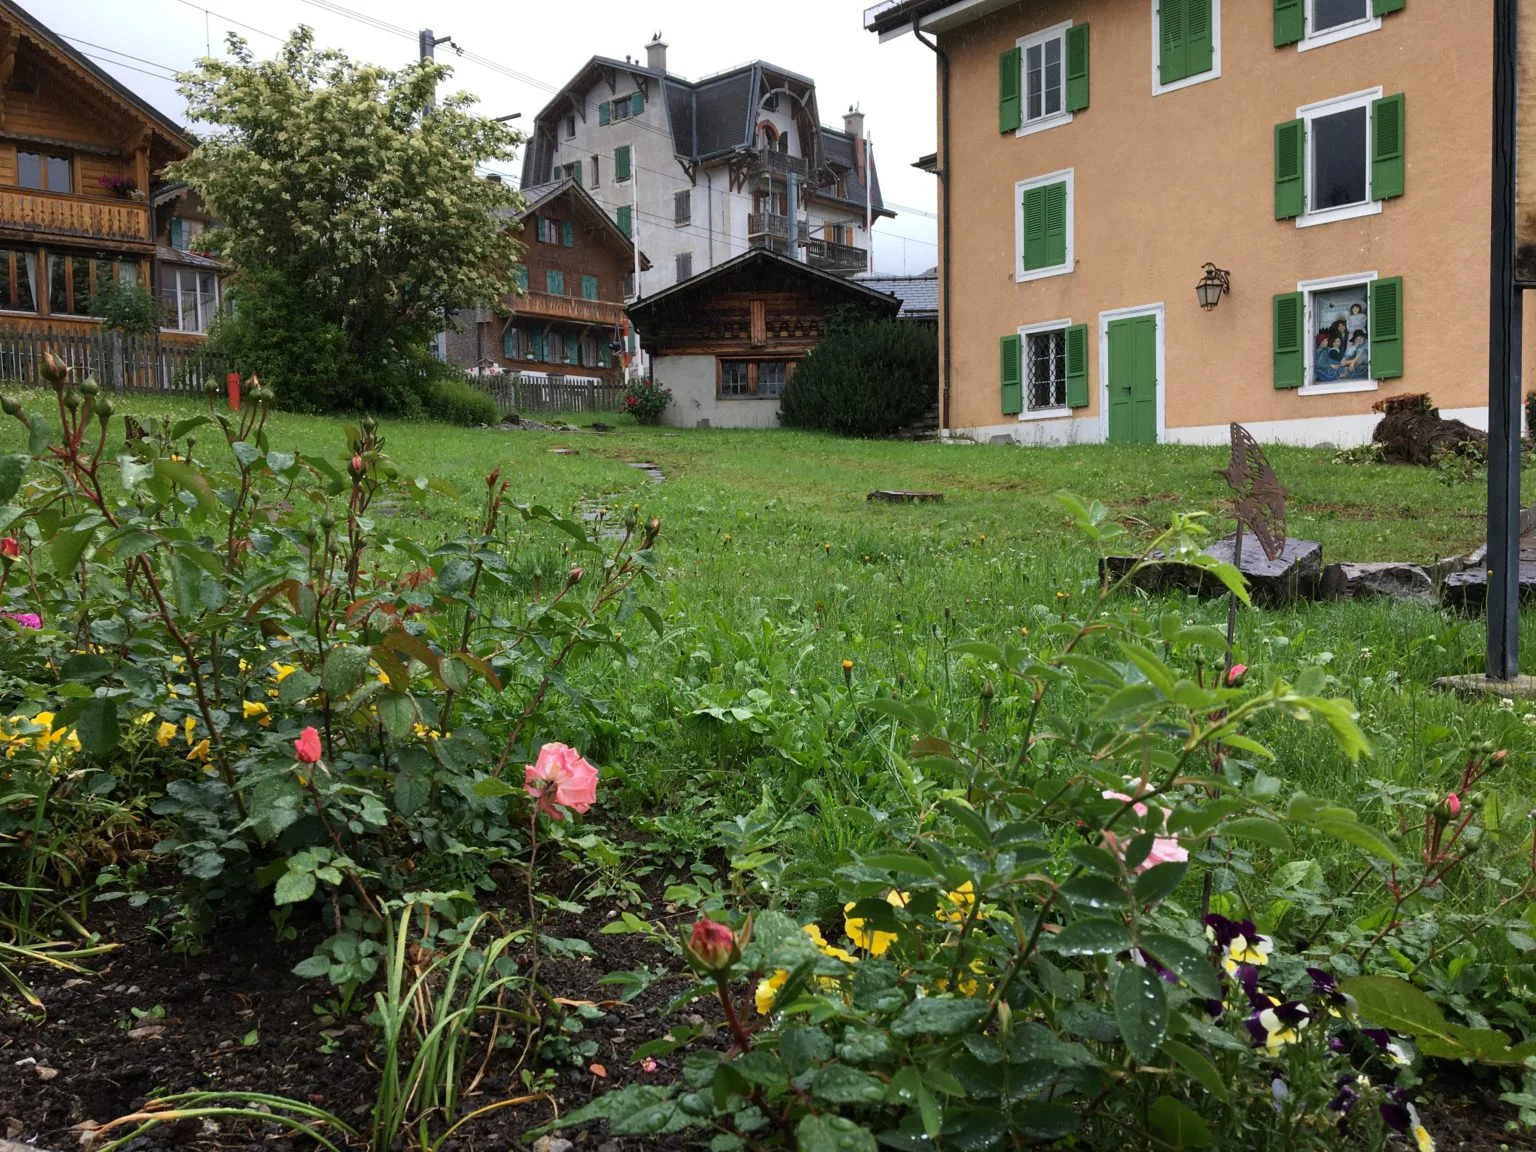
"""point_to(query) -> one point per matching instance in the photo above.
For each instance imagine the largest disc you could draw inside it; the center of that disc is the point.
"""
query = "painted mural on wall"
(1341, 323)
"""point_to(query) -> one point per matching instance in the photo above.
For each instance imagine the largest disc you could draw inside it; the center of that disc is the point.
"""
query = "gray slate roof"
(919, 295)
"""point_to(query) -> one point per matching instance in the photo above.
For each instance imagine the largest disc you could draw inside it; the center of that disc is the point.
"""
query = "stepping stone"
(564, 452)
(651, 471)
(1469, 590)
(903, 496)
(1394, 581)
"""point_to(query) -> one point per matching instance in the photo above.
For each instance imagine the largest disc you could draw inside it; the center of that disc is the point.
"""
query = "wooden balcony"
(44, 215)
(777, 163)
(830, 257)
(544, 306)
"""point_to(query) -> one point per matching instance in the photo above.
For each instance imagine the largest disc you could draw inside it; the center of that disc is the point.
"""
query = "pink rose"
(1453, 805)
(1139, 808)
(713, 945)
(1165, 850)
(1235, 675)
(307, 746)
(9, 549)
(25, 619)
(560, 778)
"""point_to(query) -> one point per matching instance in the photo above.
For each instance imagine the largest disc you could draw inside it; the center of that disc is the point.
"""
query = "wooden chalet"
(82, 203)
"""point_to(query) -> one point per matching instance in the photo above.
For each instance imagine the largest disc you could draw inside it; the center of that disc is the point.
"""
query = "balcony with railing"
(771, 226)
(550, 307)
(777, 163)
(43, 214)
(830, 257)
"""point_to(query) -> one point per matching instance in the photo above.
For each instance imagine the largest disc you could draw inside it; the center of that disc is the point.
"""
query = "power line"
(130, 67)
(231, 20)
(125, 55)
(362, 18)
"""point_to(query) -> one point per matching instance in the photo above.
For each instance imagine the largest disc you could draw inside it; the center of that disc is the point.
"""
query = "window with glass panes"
(189, 298)
(771, 376)
(74, 278)
(735, 377)
(1328, 15)
(1046, 368)
(18, 279)
(1043, 76)
(43, 170)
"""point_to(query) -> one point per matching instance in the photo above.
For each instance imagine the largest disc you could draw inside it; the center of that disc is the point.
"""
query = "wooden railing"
(53, 214)
(830, 257)
(158, 362)
(517, 393)
(544, 305)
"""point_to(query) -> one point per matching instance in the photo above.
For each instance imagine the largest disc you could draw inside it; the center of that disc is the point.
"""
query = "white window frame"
(1323, 108)
(1026, 126)
(1020, 274)
(1025, 332)
(203, 319)
(1334, 387)
(1161, 89)
(1348, 31)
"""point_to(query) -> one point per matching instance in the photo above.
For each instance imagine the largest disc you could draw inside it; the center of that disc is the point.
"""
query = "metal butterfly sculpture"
(1260, 498)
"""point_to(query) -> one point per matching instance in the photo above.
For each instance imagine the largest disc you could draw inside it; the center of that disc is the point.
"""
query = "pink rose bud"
(1235, 674)
(9, 549)
(1453, 804)
(575, 577)
(357, 465)
(307, 746)
(648, 1065)
(713, 945)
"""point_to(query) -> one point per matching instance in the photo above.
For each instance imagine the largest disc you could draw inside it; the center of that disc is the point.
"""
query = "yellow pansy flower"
(253, 709)
(961, 900)
(283, 671)
(768, 990)
(144, 718)
(875, 942)
(165, 734)
(189, 725)
(200, 751)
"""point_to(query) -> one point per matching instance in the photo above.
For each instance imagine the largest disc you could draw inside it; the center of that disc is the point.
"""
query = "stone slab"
(903, 496)
(1520, 688)
(1469, 590)
(1297, 573)
(1391, 580)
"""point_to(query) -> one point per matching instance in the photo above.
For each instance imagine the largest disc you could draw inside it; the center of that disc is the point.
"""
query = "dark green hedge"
(870, 379)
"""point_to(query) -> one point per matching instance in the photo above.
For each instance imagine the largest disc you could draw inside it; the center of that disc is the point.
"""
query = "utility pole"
(427, 46)
(869, 200)
(1504, 319)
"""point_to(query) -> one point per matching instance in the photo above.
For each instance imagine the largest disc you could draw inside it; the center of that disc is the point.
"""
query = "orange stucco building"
(1331, 156)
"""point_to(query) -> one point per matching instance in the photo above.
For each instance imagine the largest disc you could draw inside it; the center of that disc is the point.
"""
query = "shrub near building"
(869, 379)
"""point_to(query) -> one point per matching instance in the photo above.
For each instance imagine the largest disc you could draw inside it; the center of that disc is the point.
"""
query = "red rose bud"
(9, 549)
(575, 577)
(490, 481)
(307, 746)
(1235, 675)
(713, 946)
(54, 369)
(357, 465)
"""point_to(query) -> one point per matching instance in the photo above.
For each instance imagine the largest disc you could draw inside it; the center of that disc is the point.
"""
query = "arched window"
(769, 136)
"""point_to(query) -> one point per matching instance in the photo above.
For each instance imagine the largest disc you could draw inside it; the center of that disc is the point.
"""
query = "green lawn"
(776, 570)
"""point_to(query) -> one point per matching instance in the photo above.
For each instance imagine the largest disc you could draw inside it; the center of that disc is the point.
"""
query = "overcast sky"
(143, 42)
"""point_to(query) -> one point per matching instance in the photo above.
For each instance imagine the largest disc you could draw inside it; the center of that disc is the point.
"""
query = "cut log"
(1412, 431)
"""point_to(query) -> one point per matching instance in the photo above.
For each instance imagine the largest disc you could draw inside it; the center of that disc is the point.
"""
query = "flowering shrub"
(1060, 942)
(327, 705)
(645, 400)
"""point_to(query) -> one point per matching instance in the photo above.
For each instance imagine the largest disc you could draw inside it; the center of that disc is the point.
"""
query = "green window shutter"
(178, 234)
(535, 345)
(605, 113)
(589, 287)
(1034, 229)
(568, 233)
(1055, 225)
(1290, 340)
(1171, 52)
(1387, 328)
(1010, 79)
(554, 282)
(1290, 169)
(1077, 366)
(576, 173)
(1290, 22)
(1199, 37)
(509, 343)
(1012, 370)
(572, 348)
(1077, 67)
(520, 277)
(1388, 121)
(624, 220)
(636, 104)
(621, 163)
(1385, 7)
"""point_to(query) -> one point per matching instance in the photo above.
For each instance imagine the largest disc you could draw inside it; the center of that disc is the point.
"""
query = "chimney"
(656, 54)
(853, 124)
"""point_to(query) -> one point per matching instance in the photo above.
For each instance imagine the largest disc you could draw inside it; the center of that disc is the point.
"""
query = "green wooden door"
(1133, 380)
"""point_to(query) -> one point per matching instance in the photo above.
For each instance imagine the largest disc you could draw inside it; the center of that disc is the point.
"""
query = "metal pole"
(869, 200)
(1504, 363)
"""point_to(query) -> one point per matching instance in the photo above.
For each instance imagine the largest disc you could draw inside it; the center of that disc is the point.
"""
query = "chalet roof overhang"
(894, 18)
(82, 68)
(570, 100)
(758, 268)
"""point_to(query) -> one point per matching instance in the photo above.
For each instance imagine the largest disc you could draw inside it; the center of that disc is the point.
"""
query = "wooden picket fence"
(156, 362)
(517, 393)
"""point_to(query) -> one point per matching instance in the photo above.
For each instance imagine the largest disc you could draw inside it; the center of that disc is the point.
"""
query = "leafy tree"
(126, 308)
(351, 214)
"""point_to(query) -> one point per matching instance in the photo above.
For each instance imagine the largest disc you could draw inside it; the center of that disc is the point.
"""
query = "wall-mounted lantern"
(1216, 283)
